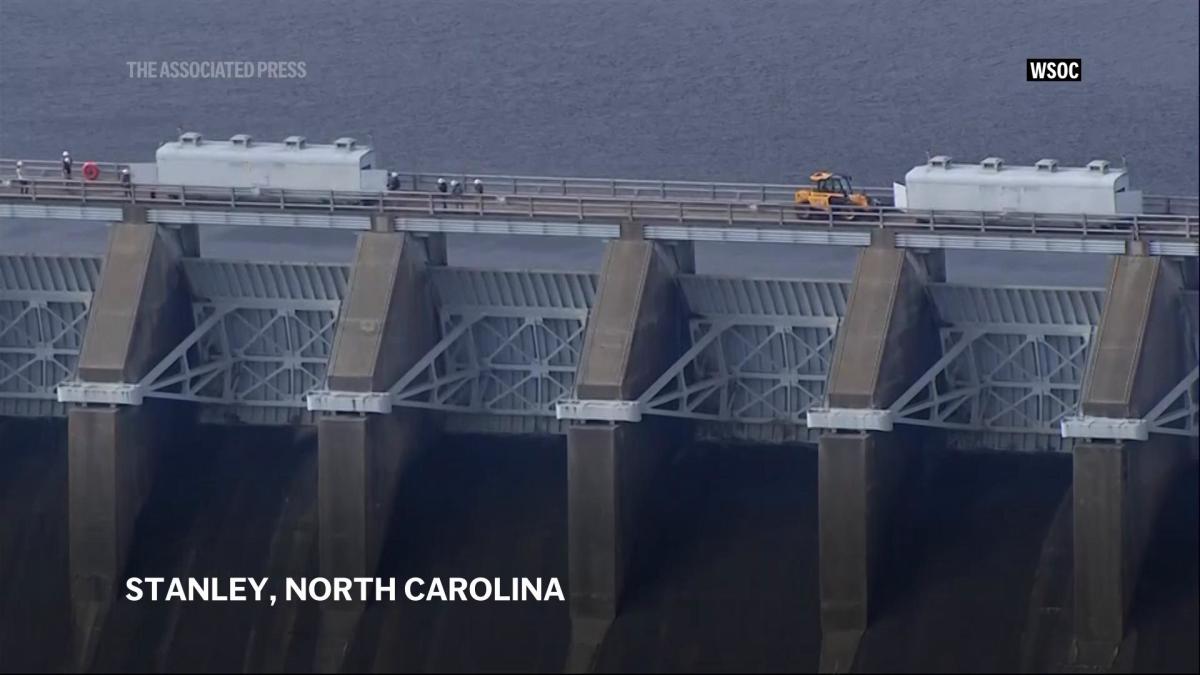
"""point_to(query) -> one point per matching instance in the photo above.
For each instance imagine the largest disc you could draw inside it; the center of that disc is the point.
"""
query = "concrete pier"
(387, 323)
(885, 342)
(634, 333)
(1119, 485)
(140, 311)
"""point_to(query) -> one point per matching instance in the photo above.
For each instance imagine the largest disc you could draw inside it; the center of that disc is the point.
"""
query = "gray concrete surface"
(886, 340)
(140, 311)
(387, 324)
(1119, 487)
(634, 333)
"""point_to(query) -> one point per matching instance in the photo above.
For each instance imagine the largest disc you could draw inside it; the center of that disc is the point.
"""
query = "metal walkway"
(624, 188)
(741, 216)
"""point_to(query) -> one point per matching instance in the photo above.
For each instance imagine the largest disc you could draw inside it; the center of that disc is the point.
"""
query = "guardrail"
(615, 187)
(600, 209)
(696, 190)
(44, 168)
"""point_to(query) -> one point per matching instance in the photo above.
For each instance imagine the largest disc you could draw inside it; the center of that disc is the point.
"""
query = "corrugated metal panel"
(469, 226)
(49, 273)
(242, 218)
(995, 243)
(102, 213)
(710, 296)
(1175, 248)
(458, 288)
(757, 235)
(1011, 305)
(266, 280)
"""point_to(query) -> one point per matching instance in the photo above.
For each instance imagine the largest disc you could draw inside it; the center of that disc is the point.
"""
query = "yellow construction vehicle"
(830, 189)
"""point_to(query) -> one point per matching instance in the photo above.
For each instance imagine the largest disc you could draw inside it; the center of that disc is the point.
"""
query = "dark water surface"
(747, 91)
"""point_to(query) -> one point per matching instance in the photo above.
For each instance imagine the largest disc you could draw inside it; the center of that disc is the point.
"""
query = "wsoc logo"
(1053, 70)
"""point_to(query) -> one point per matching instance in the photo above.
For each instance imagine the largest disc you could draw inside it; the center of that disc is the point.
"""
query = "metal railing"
(554, 208)
(610, 187)
(696, 190)
(43, 168)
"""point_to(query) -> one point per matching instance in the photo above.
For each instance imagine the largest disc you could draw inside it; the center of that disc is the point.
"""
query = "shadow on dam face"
(725, 577)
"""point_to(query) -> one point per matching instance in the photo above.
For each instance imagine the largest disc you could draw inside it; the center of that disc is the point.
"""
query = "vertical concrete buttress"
(634, 333)
(886, 340)
(1118, 487)
(386, 324)
(141, 309)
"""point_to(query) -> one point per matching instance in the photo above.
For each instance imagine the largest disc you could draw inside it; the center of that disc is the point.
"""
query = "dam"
(624, 423)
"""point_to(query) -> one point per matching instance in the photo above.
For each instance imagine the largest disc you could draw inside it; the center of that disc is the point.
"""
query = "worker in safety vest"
(66, 165)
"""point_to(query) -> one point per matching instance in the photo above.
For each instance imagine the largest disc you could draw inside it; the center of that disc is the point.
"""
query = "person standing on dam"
(393, 181)
(21, 183)
(126, 182)
(456, 189)
(441, 186)
(66, 165)
(478, 186)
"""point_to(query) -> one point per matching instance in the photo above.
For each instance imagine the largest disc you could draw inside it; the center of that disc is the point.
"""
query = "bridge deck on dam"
(668, 210)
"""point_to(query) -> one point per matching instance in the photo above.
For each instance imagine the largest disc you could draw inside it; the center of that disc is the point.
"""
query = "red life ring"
(91, 170)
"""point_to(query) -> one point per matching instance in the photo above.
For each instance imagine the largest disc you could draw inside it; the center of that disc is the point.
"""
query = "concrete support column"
(1137, 357)
(141, 309)
(634, 333)
(886, 340)
(386, 324)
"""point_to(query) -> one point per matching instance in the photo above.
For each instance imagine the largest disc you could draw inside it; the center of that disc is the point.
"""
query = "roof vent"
(1098, 166)
(345, 143)
(940, 161)
(190, 138)
(295, 142)
(241, 140)
(1046, 165)
(992, 163)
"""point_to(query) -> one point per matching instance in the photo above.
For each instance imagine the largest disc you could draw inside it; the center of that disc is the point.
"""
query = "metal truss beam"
(40, 336)
(747, 369)
(1175, 415)
(999, 378)
(504, 361)
(247, 353)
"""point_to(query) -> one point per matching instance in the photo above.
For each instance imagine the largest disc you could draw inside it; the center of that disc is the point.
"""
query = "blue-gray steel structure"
(1011, 369)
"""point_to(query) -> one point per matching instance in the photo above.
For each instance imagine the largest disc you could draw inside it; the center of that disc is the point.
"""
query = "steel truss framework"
(41, 333)
(749, 370)
(44, 306)
(504, 361)
(255, 359)
(1008, 385)
(1178, 413)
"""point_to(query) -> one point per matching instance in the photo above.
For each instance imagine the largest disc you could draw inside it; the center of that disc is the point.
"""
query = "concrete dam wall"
(896, 473)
